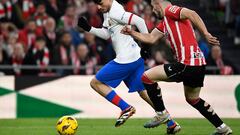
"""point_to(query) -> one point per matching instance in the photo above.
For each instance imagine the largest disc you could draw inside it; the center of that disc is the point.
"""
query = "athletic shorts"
(192, 76)
(113, 73)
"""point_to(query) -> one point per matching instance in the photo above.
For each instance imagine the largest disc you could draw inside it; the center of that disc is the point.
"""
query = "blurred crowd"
(43, 33)
(228, 12)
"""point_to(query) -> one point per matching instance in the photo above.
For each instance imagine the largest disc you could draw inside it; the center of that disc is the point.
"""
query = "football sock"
(206, 110)
(171, 124)
(116, 100)
(154, 93)
(221, 126)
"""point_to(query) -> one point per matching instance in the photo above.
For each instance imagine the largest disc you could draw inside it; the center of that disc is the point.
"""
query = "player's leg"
(149, 79)
(111, 96)
(134, 82)
(193, 81)
(104, 80)
(143, 94)
(192, 97)
(109, 76)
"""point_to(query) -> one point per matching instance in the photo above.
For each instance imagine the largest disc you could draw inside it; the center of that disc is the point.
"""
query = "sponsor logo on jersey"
(198, 55)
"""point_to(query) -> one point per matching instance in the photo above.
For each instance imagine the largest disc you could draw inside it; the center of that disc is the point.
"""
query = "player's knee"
(192, 101)
(146, 80)
(143, 93)
(94, 83)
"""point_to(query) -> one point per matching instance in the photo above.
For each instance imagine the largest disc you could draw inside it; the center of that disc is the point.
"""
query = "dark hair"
(40, 3)
(41, 38)
(97, 1)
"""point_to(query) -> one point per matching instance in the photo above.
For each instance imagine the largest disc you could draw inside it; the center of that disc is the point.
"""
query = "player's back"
(127, 50)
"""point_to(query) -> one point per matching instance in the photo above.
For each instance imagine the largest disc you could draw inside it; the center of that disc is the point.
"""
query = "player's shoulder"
(173, 9)
(116, 8)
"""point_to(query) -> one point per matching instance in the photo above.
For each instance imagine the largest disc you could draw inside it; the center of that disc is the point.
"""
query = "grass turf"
(106, 127)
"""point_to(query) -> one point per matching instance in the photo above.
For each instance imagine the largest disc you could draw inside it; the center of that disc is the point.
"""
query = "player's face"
(104, 6)
(157, 9)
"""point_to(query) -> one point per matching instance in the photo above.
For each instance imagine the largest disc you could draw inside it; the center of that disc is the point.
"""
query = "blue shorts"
(113, 73)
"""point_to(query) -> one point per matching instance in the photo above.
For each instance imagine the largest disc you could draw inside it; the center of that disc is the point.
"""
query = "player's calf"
(154, 93)
(112, 96)
(207, 111)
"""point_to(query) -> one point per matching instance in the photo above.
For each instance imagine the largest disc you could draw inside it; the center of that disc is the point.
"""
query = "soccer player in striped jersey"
(128, 66)
(190, 66)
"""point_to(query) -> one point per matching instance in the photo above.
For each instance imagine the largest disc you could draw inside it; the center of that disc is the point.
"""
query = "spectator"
(4, 59)
(86, 64)
(94, 18)
(6, 29)
(37, 55)
(136, 6)
(217, 60)
(28, 35)
(9, 34)
(27, 7)
(6, 10)
(49, 27)
(69, 20)
(55, 8)
(159, 58)
(17, 58)
(81, 6)
(65, 54)
(149, 19)
(97, 47)
(40, 15)
(11, 42)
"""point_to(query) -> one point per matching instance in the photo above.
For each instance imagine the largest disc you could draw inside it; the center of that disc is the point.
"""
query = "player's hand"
(211, 39)
(83, 23)
(126, 30)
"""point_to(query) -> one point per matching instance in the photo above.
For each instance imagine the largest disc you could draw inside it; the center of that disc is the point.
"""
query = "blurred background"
(46, 66)
(38, 37)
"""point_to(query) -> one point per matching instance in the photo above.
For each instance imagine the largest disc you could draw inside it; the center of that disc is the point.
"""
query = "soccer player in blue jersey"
(128, 66)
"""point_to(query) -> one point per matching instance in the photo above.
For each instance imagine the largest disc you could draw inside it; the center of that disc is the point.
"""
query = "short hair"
(97, 1)
(40, 38)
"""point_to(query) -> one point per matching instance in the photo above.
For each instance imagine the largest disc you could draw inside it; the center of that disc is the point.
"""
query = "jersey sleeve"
(173, 12)
(160, 27)
(118, 13)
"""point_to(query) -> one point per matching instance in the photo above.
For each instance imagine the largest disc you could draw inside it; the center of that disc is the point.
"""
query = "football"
(67, 125)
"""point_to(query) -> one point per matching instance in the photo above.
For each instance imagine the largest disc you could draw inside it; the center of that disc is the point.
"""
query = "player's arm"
(198, 22)
(132, 19)
(100, 32)
(127, 18)
(149, 38)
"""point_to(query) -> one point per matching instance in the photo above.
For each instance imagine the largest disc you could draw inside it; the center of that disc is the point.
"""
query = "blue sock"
(170, 123)
(116, 100)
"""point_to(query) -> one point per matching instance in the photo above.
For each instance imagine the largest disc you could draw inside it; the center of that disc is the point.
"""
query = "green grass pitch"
(106, 127)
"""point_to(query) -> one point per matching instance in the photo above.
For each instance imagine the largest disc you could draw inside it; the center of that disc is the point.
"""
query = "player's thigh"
(157, 73)
(133, 81)
(112, 74)
(191, 92)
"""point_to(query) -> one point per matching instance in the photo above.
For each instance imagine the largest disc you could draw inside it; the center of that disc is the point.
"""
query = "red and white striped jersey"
(182, 37)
